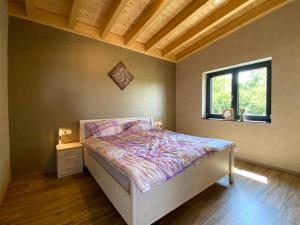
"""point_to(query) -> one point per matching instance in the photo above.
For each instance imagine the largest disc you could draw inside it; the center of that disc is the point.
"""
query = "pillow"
(138, 125)
(104, 128)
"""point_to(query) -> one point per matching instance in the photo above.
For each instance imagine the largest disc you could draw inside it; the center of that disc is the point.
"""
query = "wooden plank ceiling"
(167, 29)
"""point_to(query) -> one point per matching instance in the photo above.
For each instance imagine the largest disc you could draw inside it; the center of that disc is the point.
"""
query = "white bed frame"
(139, 208)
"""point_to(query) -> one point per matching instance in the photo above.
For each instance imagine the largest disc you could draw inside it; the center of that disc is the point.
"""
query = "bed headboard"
(84, 133)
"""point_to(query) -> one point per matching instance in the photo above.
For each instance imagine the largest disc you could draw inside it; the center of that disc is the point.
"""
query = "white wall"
(4, 140)
(276, 35)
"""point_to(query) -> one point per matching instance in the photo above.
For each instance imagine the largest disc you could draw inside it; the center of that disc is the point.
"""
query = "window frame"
(234, 91)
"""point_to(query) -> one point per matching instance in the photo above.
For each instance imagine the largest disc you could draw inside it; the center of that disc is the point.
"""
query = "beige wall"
(278, 36)
(57, 78)
(4, 140)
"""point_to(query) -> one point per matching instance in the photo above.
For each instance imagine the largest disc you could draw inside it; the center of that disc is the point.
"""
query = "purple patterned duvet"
(152, 157)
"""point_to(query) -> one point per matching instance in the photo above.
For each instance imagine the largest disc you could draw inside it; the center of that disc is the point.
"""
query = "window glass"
(252, 91)
(221, 93)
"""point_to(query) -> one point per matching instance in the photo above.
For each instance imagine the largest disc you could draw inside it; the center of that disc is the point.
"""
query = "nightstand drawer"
(69, 161)
(70, 152)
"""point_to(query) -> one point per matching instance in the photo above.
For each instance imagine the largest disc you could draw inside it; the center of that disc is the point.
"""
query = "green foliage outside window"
(252, 91)
(221, 93)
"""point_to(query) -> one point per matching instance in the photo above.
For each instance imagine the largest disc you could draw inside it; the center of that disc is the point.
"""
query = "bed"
(145, 203)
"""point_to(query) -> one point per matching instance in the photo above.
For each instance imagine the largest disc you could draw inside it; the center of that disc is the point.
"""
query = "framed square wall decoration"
(121, 75)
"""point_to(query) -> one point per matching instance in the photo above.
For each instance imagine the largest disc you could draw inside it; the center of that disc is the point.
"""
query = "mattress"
(122, 179)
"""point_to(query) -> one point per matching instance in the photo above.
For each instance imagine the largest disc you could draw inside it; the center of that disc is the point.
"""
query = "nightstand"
(69, 159)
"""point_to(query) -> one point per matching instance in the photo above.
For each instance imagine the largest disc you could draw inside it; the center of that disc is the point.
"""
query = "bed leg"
(231, 167)
(231, 178)
(136, 217)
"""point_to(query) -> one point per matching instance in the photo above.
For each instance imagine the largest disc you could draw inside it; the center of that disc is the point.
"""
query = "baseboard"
(34, 174)
(3, 190)
(292, 172)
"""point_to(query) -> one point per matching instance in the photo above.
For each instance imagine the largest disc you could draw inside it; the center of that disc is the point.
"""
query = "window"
(244, 87)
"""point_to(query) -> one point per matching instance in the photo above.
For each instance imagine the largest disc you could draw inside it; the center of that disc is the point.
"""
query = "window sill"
(245, 121)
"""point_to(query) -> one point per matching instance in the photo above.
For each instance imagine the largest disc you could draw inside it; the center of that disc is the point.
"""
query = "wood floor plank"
(42, 199)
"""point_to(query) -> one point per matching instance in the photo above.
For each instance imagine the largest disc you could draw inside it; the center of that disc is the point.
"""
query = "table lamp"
(62, 132)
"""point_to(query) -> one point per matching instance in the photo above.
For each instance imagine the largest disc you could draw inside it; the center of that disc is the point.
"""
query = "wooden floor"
(259, 196)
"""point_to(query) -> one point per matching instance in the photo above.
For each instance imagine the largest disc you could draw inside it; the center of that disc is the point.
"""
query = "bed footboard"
(150, 206)
(139, 208)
